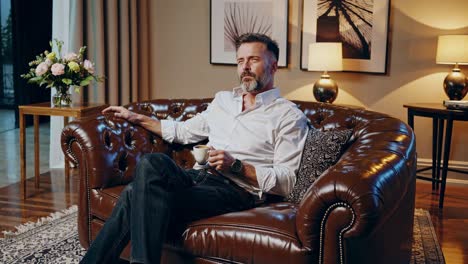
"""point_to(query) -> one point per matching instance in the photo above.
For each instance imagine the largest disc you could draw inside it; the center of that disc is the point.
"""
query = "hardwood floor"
(54, 194)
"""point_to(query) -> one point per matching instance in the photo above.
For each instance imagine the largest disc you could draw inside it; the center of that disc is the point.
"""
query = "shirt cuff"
(168, 130)
(266, 181)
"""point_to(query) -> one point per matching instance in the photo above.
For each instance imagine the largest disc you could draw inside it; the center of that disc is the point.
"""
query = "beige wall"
(181, 67)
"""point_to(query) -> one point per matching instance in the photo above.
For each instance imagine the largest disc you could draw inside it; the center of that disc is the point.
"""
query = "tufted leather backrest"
(178, 110)
(320, 115)
(123, 143)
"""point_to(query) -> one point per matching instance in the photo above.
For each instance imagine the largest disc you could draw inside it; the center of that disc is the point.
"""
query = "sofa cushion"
(321, 150)
(265, 234)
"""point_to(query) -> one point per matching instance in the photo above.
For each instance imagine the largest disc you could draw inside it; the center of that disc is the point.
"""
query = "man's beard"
(255, 84)
(250, 86)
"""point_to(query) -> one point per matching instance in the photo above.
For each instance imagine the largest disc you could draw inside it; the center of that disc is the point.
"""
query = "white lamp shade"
(452, 49)
(325, 56)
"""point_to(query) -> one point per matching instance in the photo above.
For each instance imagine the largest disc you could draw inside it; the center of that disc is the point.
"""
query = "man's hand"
(221, 160)
(122, 112)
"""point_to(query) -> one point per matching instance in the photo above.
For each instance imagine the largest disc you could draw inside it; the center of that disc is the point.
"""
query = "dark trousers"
(162, 193)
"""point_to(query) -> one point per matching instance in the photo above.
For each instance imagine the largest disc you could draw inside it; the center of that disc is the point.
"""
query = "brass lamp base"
(325, 90)
(455, 84)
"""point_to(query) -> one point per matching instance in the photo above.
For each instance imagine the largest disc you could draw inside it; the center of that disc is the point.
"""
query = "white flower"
(70, 56)
(58, 69)
(41, 68)
(88, 65)
(48, 62)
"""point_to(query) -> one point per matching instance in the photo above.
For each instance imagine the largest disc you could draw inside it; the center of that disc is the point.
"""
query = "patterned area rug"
(426, 248)
(52, 239)
(55, 240)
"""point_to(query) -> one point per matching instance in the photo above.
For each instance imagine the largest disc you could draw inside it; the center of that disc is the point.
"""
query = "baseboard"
(455, 164)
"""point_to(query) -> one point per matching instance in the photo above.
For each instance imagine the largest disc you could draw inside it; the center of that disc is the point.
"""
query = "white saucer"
(200, 167)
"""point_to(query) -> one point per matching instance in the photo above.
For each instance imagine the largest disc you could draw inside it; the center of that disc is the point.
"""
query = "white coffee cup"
(201, 154)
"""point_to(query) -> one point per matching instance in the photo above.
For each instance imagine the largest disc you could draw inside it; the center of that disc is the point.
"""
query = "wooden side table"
(439, 115)
(45, 109)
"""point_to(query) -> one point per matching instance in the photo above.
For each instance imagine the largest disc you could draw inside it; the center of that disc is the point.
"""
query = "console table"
(45, 109)
(439, 114)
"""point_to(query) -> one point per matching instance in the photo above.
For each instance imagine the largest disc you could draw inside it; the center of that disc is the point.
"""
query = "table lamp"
(325, 56)
(453, 49)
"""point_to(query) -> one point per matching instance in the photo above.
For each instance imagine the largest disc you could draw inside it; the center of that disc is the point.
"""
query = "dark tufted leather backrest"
(178, 110)
(328, 116)
(124, 142)
(321, 115)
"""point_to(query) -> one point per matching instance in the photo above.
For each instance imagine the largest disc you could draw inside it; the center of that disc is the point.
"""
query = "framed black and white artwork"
(232, 18)
(360, 25)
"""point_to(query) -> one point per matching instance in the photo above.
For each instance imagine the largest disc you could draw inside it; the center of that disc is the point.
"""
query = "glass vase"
(62, 98)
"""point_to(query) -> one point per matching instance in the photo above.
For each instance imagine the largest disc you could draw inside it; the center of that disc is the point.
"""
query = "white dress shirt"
(270, 136)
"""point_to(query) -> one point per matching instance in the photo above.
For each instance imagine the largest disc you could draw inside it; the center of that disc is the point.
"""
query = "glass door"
(7, 94)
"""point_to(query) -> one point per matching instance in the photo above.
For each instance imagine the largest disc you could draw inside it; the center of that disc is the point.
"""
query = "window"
(7, 96)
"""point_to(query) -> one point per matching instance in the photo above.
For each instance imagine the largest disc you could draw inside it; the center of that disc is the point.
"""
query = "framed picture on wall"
(232, 18)
(360, 25)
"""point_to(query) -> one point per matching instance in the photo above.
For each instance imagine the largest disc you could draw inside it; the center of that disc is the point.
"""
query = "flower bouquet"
(61, 72)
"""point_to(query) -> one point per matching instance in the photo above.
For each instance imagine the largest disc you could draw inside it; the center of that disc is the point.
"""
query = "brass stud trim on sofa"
(88, 196)
(340, 237)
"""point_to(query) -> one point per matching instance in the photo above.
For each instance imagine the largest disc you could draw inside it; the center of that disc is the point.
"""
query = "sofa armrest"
(107, 148)
(360, 195)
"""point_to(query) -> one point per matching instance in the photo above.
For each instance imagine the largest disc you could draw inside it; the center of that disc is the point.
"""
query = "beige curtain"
(116, 33)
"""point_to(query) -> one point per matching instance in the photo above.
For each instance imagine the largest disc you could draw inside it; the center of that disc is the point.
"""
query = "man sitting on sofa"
(256, 138)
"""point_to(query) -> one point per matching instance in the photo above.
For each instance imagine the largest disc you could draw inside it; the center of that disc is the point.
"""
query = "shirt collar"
(237, 91)
(263, 98)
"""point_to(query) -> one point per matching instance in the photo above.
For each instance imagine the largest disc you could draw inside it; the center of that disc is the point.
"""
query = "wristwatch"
(236, 167)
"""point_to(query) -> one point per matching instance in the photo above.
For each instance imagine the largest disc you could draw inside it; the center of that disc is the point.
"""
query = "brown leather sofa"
(358, 211)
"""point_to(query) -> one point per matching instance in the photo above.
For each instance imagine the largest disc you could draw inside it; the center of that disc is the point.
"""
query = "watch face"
(236, 167)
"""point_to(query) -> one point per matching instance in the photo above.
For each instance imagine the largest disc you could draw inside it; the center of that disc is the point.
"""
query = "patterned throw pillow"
(322, 149)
